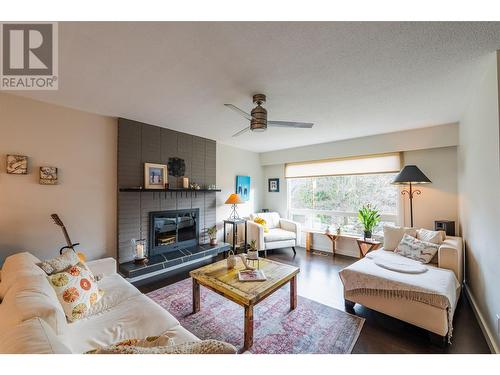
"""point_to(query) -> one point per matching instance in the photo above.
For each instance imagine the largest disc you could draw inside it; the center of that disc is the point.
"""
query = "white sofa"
(32, 319)
(282, 233)
(424, 315)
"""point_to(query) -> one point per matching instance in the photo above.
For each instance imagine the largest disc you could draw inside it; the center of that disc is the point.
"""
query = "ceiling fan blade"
(290, 124)
(241, 131)
(248, 116)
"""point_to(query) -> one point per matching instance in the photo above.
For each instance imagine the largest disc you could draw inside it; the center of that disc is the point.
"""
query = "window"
(325, 199)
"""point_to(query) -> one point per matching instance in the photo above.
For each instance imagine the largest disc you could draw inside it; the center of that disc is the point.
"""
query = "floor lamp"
(411, 175)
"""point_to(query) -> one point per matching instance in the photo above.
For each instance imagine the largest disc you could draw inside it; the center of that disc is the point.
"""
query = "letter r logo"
(27, 49)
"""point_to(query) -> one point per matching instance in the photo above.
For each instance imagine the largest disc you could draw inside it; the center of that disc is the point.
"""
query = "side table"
(234, 223)
(366, 245)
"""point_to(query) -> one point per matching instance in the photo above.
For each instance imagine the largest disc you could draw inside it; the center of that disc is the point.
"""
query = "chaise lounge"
(413, 298)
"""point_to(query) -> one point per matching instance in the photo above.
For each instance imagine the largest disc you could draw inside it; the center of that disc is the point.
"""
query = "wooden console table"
(309, 233)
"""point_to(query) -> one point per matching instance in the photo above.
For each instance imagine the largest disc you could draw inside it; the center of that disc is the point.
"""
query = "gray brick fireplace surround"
(140, 143)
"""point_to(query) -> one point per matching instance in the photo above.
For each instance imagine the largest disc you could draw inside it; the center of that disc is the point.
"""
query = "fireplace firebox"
(173, 230)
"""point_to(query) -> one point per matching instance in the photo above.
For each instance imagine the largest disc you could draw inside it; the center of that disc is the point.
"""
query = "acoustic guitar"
(69, 244)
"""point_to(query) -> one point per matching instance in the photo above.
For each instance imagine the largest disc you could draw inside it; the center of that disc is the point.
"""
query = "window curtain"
(381, 163)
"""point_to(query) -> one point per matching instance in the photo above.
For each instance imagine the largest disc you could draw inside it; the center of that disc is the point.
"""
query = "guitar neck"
(66, 236)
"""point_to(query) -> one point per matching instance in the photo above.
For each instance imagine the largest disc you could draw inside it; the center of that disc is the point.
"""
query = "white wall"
(83, 147)
(409, 140)
(232, 162)
(438, 200)
(479, 196)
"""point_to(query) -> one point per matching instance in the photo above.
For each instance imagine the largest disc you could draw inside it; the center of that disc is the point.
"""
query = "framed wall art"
(17, 164)
(155, 176)
(48, 176)
(273, 185)
(243, 187)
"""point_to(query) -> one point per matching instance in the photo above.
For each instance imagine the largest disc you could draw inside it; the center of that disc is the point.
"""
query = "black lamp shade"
(411, 174)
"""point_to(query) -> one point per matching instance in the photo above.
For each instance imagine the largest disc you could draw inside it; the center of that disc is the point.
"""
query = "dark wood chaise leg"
(294, 252)
(438, 340)
(349, 305)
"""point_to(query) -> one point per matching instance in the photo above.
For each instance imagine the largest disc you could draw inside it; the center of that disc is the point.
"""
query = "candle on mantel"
(139, 249)
(185, 182)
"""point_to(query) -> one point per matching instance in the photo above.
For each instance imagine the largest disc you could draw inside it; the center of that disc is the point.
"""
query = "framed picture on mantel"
(155, 176)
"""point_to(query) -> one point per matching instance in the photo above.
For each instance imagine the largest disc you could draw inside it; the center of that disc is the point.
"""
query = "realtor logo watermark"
(29, 56)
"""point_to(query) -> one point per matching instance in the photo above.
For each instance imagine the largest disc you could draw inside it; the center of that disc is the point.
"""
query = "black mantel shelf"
(170, 190)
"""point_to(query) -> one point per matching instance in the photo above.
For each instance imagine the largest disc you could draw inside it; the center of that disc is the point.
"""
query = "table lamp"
(233, 200)
(411, 175)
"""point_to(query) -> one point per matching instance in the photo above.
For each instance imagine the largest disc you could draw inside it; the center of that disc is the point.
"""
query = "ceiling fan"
(258, 118)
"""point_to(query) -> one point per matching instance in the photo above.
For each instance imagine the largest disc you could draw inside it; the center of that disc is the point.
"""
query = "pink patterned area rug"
(311, 328)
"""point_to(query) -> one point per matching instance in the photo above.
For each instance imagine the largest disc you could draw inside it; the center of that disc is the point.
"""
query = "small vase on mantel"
(367, 234)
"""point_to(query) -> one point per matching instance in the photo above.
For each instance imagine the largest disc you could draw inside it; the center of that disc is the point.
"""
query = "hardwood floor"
(318, 280)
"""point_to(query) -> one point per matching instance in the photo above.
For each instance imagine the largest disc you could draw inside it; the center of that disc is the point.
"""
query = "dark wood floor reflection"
(319, 281)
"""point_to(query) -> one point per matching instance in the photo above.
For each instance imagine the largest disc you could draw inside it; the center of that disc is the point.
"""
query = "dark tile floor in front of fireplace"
(319, 281)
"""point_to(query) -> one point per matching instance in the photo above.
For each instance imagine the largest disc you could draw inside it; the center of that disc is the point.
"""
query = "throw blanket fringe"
(427, 298)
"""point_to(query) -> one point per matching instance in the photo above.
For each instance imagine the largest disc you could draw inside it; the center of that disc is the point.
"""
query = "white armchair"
(282, 232)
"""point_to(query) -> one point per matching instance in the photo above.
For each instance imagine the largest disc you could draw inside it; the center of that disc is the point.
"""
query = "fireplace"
(173, 230)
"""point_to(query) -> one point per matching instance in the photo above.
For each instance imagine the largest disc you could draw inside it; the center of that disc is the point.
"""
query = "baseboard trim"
(488, 335)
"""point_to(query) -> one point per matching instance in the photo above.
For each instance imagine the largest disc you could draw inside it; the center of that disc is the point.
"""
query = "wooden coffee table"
(219, 279)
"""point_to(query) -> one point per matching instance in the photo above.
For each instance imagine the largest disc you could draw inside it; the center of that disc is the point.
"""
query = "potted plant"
(369, 218)
(212, 234)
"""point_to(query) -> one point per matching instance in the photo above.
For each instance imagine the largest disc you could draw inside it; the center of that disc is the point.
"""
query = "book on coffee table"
(252, 275)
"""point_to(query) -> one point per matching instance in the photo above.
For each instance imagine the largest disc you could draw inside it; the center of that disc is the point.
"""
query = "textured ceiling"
(350, 79)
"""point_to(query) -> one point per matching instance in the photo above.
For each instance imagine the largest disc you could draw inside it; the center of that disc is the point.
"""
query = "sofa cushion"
(272, 218)
(138, 316)
(413, 248)
(33, 336)
(32, 296)
(16, 267)
(76, 290)
(278, 234)
(393, 236)
(116, 290)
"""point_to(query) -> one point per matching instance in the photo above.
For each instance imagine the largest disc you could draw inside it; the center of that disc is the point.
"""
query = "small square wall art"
(17, 164)
(48, 176)
(273, 185)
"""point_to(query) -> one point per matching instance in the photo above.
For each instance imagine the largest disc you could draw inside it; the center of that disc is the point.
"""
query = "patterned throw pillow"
(67, 259)
(262, 222)
(412, 248)
(76, 290)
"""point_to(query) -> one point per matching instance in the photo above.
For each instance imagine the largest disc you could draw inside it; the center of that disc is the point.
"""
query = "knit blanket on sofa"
(376, 275)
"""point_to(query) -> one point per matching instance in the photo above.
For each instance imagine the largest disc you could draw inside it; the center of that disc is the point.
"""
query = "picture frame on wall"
(273, 185)
(243, 187)
(48, 176)
(155, 176)
(17, 164)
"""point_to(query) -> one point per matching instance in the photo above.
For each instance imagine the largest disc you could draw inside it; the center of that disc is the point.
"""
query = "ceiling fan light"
(258, 130)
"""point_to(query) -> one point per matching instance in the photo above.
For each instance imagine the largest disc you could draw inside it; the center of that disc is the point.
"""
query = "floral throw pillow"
(412, 248)
(76, 290)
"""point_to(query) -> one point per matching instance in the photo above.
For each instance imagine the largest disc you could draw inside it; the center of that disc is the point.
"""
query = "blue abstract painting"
(243, 187)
